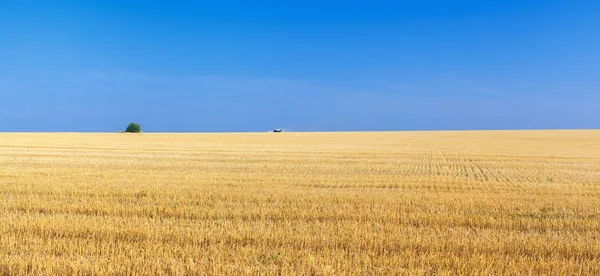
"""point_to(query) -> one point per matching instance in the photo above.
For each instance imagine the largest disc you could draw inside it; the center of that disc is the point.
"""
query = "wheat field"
(388, 203)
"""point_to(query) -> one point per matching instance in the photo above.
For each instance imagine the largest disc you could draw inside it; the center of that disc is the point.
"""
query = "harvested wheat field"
(445, 203)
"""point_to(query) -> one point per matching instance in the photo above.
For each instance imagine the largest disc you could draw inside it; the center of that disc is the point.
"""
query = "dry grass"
(522, 202)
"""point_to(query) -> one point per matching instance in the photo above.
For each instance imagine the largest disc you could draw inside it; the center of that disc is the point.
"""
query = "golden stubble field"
(489, 202)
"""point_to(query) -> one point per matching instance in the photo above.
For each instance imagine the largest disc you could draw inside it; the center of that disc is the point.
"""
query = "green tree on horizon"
(133, 128)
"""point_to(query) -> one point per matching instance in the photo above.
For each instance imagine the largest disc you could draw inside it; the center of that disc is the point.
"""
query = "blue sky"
(196, 66)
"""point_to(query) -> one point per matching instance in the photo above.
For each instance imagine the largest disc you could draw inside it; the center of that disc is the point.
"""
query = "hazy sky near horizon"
(195, 66)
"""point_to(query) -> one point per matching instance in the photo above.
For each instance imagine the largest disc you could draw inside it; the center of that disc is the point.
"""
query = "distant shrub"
(133, 128)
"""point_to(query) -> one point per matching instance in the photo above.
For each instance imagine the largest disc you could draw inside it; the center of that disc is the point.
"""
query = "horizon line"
(320, 131)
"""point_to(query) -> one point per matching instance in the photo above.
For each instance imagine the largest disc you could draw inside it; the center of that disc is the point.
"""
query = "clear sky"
(196, 66)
